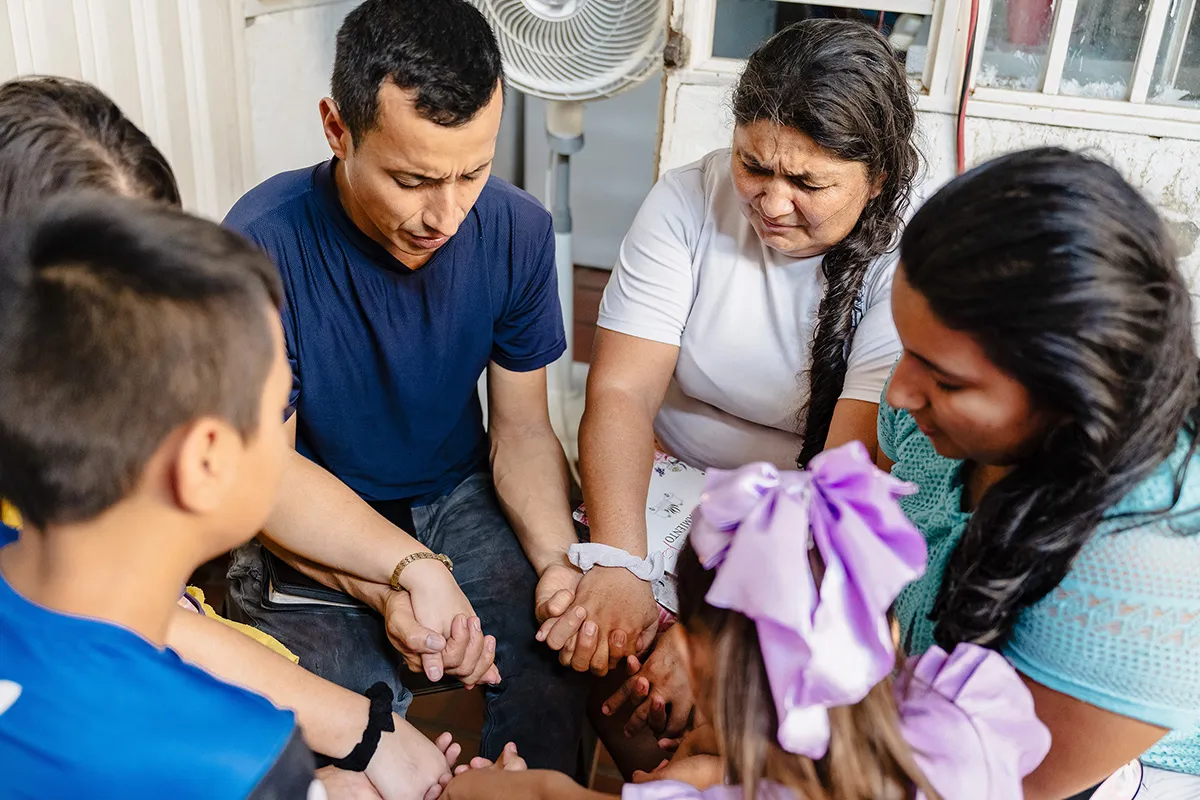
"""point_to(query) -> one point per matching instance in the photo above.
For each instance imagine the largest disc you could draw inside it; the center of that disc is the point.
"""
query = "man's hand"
(618, 606)
(659, 689)
(463, 651)
(555, 591)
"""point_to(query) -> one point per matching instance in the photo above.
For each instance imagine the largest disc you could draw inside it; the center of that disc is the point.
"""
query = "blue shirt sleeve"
(289, 340)
(242, 218)
(529, 334)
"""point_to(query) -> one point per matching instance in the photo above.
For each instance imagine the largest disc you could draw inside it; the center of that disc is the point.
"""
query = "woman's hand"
(659, 689)
(619, 609)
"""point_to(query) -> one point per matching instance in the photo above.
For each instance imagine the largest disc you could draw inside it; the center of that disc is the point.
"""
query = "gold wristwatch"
(404, 562)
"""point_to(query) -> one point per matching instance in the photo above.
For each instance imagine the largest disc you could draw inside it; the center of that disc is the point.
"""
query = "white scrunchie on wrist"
(586, 556)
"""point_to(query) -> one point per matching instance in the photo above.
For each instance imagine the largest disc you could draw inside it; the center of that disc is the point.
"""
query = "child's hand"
(450, 749)
(509, 761)
(407, 766)
(659, 689)
(513, 783)
(342, 784)
(700, 741)
(479, 778)
(703, 772)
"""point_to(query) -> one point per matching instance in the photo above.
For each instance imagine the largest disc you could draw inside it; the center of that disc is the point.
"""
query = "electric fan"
(568, 52)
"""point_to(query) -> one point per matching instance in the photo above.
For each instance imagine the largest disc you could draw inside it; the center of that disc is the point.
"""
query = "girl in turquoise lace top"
(1046, 405)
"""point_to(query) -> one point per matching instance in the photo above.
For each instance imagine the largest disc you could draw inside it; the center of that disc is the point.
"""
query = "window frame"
(938, 87)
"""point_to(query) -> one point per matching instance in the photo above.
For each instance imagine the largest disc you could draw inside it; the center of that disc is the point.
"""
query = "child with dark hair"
(784, 591)
(61, 136)
(142, 372)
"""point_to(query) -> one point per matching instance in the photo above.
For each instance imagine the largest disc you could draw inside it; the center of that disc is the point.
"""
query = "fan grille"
(579, 49)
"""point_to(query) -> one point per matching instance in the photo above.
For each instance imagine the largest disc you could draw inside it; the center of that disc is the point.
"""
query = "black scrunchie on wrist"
(379, 719)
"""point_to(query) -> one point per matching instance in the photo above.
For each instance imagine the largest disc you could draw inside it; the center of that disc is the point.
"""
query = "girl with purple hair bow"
(784, 590)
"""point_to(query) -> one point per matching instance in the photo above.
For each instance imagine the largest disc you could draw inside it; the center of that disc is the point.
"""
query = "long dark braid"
(838, 82)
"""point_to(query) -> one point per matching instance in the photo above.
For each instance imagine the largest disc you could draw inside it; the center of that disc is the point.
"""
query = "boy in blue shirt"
(142, 377)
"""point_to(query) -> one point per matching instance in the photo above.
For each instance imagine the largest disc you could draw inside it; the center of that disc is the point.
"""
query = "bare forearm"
(616, 443)
(332, 718)
(854, 420)
(320, 518)
(533, 485)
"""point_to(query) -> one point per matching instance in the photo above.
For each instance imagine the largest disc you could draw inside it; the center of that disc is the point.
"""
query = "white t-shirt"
(693, 273)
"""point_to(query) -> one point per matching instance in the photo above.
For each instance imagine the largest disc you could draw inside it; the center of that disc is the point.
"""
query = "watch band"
(404, 562)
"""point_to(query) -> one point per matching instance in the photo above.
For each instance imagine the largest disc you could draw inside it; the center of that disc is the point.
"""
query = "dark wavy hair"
(868, 757)
(1067, 278)
(58, 135)
(840, 83)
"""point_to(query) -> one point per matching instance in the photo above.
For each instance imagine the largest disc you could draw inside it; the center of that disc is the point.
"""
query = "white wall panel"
(176, 67)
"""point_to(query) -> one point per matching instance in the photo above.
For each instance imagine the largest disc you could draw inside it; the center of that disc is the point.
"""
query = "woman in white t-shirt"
(748, 315)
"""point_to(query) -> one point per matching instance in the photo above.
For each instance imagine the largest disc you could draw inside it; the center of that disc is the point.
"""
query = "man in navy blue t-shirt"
(408, 274)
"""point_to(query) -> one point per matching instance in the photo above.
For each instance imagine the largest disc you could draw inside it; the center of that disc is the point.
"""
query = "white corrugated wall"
(176, 67)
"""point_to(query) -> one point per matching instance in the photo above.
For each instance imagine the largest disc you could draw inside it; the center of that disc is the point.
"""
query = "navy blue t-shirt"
(91, 709)
(386, 360)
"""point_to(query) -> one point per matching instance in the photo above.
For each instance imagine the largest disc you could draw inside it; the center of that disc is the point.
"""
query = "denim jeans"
(539, 704)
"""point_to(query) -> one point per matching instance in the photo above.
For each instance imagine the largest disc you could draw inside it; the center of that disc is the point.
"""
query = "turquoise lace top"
(1122, 630)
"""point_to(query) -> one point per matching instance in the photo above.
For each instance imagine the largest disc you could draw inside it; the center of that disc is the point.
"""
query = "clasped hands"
(613, 617)
(435, 629)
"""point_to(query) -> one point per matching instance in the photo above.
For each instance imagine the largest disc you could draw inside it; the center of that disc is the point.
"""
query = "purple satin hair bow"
(969, 719)
(826, 646)
(971, 723)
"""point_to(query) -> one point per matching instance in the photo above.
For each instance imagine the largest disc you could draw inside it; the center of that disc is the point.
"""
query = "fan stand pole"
(564, 132)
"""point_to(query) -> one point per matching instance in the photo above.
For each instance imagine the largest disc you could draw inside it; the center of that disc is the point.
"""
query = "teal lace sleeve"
(887, 424)
(1122, 630)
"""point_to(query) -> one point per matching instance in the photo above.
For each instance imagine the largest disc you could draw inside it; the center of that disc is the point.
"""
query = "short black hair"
(58, 134)
(120, 320)
(444, 50)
